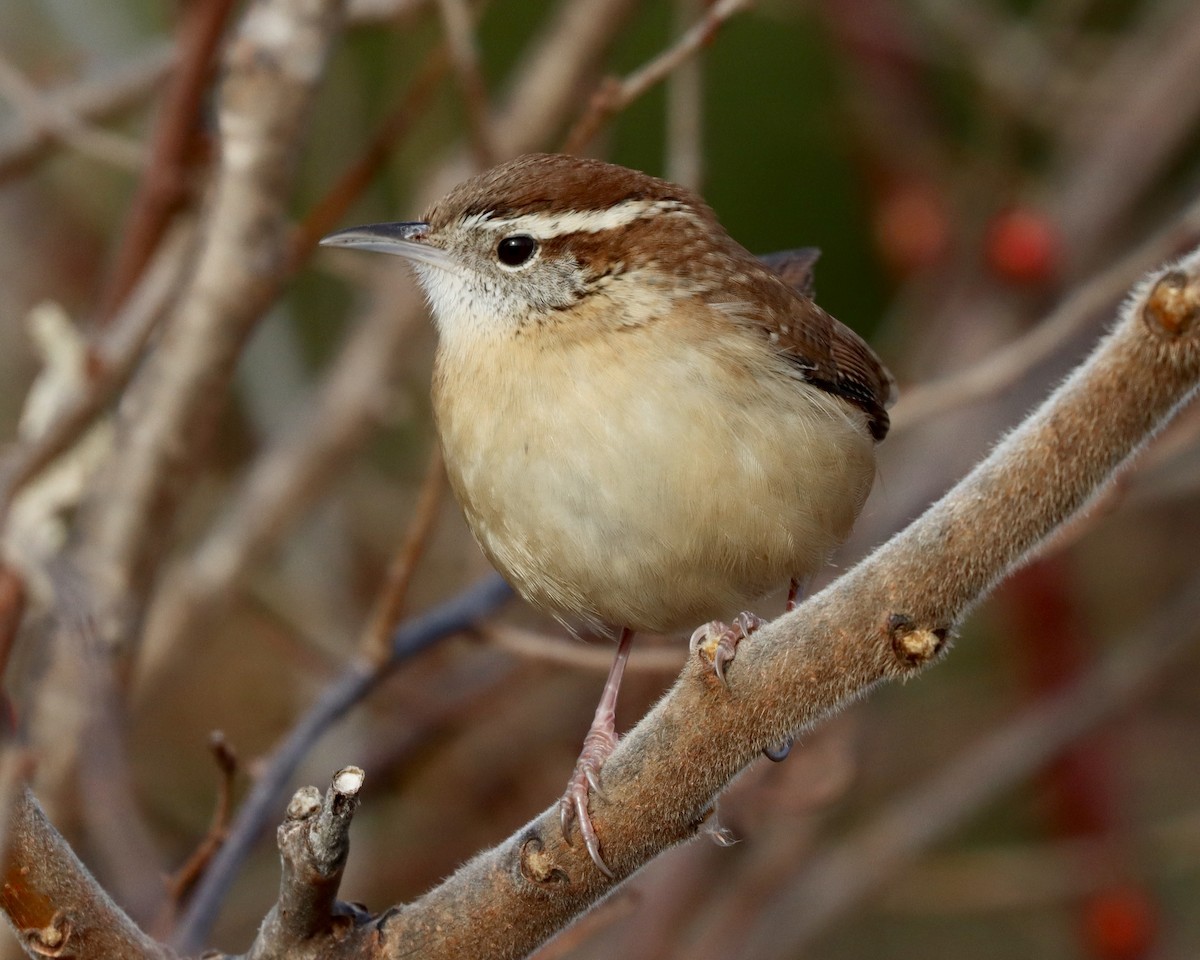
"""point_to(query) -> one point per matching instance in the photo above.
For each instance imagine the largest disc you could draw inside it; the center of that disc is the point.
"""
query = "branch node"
(305, 803)
(537, 866)
(52, 939)
(914, 645)
(1173, 304)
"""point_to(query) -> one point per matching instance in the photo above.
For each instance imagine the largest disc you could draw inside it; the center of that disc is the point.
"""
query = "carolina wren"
(645, 425)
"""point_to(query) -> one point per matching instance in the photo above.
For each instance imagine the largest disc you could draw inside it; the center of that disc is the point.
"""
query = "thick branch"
(883, 620)
(833, 882)
(54, 904)
(272, 70)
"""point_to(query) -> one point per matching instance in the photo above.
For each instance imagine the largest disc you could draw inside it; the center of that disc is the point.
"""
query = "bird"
(645, 425)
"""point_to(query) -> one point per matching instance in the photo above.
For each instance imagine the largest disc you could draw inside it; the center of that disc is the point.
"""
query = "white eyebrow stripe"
(546, 226)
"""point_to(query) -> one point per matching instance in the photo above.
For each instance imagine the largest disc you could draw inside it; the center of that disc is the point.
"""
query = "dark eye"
(514, 251)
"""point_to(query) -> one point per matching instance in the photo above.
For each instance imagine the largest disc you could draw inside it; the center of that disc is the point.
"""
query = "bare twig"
(569, 652)
(685, 110)
(288, 476)
(389, 606)
(88, 102)
(615, 95)
(180, 884)
(1120, 157)
(1005, 366)
(53, 119)
(356, 681)
(164, 187)
(113, 359)
(885, 619)
(460, 38)
(354, 180)
(547, 87)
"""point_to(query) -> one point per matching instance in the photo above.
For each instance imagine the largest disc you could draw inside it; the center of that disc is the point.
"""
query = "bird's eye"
(514, 251)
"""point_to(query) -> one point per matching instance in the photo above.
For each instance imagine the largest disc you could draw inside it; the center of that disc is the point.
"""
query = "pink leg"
(599, 743)
(794, 591)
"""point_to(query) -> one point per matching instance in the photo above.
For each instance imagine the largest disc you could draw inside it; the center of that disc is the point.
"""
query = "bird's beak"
(406, 240)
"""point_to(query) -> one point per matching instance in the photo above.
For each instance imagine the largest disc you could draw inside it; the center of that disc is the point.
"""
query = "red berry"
(1022, 246)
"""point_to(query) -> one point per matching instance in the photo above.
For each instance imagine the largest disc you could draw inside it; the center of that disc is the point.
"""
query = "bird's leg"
(718, 642)
(599, 743)
(795, 594)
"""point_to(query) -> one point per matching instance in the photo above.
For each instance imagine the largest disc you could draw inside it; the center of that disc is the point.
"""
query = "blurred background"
(985, 180)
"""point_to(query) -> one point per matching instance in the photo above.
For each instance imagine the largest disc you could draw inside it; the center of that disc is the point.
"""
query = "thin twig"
(88, 101)
(460, 38)
(288, 476)
(685, 110)
(389, 605)
(1119, 158)
(180, 884)
(545, 91)
(164, 187)
(615, 95)
(329, 210)
(569, 652)
(52, 118)
(1005, 366)
(114, 358)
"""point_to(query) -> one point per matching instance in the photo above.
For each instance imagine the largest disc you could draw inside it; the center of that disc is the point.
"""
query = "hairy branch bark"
(885, 619)
(54, 904)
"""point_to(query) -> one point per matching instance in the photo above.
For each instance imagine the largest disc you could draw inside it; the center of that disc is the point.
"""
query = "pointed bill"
(400, 239)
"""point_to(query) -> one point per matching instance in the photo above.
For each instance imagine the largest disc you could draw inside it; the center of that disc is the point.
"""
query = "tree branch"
(273, 67)
(359, 678)
(885, 619)
(54, 904)
(314, 842)
(831, 883)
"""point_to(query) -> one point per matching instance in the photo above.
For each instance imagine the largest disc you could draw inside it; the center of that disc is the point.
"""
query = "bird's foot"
(717, 642)
(573, 807)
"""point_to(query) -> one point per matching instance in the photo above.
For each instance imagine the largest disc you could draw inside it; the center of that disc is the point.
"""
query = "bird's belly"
(634, 499)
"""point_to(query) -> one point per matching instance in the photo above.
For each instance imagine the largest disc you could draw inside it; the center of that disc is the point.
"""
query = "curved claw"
(573, 807)
(566, 814)
(590, 840)
(718, 642)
